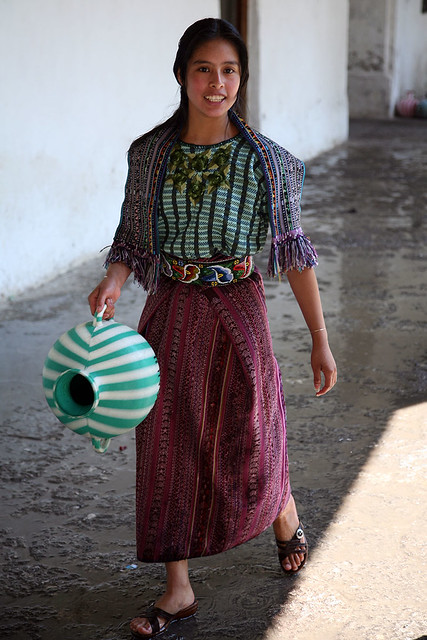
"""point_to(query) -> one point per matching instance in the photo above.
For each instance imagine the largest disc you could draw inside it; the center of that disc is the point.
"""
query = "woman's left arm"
(306, 291)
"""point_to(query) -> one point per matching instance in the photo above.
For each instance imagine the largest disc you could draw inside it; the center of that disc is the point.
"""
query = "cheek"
(233, 85)
(195, 85)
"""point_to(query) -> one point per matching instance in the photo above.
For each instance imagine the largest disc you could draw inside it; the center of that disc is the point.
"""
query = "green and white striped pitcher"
(101, 379)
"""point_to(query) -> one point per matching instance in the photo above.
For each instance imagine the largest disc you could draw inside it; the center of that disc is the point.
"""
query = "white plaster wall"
(410, 51)
(80, 79)
(300, 49)
(387, 54)
(370, 61)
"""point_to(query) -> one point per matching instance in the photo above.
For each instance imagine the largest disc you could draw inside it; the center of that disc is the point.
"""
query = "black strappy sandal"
(294, 545)
(153, 615)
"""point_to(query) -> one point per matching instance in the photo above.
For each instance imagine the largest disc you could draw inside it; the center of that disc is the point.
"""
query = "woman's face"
(213, 79)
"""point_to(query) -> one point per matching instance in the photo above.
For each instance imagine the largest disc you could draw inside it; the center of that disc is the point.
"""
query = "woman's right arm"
(109, 289)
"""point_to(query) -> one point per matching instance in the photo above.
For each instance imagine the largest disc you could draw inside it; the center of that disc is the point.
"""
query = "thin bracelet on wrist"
(317, 330)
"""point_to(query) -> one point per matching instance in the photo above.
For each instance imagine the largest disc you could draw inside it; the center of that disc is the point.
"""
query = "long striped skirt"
(212, 466)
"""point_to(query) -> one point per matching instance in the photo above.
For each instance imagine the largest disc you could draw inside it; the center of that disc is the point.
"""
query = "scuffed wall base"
(369, 95)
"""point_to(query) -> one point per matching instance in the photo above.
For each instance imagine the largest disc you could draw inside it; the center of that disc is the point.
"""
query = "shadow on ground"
(67, 517)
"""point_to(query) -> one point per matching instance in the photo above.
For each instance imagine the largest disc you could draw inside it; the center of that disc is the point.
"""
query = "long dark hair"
(197, 34)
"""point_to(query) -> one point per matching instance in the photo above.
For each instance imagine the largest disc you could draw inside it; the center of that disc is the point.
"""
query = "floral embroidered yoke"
(136, 241)
(200, 215)
(202, 168)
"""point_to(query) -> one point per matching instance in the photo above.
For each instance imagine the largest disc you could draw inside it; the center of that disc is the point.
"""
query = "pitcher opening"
(75, 394)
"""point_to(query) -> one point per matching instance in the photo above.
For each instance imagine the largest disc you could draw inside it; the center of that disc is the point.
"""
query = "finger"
(322, 391)
(330, 380)
(100, 304)
(317, 379)
(93, 300)
(103, 302)
(109, 312)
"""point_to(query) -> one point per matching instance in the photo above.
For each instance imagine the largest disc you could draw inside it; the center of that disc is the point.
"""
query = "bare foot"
(284, 527)
(170, 602)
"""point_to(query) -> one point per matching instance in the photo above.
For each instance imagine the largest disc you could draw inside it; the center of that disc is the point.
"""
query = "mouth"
(215, 99)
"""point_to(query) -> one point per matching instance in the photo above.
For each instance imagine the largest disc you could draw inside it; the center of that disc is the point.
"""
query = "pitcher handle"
(100, 444)
(97, 320)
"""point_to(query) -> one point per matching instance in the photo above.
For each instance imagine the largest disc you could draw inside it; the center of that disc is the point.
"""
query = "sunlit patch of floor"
(367, 579)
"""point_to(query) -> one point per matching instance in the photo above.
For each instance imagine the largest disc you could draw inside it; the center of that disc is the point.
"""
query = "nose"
(216, 80)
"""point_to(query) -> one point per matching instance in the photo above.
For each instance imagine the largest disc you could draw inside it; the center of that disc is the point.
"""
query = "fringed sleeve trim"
(145, 266)
(291, 251)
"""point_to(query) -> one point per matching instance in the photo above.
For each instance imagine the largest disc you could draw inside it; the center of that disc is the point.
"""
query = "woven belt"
(207, 273)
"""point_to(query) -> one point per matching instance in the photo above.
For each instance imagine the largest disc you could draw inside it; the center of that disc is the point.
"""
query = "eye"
(203, 69)
(230, 70)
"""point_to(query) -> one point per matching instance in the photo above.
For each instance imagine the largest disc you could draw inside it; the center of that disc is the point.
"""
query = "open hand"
(322, 362)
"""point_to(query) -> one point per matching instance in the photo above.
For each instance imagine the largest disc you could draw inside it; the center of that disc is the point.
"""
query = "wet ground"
(356, 456)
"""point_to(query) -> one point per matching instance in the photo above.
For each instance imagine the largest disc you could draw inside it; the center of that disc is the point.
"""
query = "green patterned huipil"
(200, 216)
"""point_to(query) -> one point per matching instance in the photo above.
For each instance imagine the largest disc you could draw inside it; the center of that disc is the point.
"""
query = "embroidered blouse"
(136, 241)
(214, 201)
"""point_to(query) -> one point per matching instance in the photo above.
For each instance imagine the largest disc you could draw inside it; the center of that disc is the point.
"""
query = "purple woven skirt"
(212, 466)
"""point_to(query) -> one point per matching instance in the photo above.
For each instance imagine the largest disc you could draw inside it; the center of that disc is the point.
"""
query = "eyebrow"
(208, 62)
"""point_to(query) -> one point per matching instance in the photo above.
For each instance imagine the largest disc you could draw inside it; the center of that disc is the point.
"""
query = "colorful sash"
(220, 272)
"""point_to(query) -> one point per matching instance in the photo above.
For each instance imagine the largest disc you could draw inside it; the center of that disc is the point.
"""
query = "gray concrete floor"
(356, 455)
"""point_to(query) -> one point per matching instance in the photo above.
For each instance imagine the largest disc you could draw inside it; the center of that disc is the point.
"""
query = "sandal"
(155, 612)
(293, 546)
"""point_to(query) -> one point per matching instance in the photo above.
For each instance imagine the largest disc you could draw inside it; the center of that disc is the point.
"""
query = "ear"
(178, 75)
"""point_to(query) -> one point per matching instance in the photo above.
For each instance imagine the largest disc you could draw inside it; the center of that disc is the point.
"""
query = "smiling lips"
(215, 98)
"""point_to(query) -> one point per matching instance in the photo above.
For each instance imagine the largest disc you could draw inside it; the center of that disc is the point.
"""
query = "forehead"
(217, 51)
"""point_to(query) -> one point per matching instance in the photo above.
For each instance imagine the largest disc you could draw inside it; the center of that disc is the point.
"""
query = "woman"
(202, 191)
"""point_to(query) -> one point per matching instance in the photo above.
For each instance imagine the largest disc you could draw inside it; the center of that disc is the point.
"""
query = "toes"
(141, 625)
(288, 564)
(293, 562)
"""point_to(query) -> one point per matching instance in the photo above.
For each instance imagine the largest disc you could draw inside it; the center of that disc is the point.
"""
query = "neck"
(208, 130)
